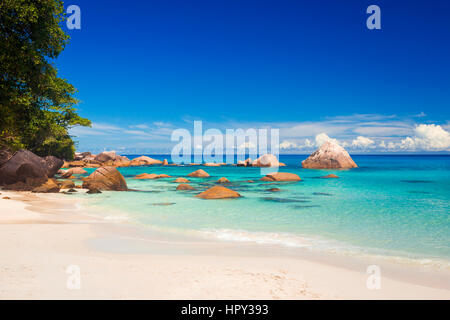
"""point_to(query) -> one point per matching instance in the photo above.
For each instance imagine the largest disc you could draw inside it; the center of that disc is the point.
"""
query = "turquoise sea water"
(391, 205)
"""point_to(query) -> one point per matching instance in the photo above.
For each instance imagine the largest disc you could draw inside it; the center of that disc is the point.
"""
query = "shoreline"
(43, 234)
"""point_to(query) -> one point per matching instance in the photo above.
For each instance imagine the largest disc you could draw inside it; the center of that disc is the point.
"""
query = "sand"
(46, 239)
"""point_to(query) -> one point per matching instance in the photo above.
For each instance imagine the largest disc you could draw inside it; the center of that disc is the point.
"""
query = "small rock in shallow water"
(183, 186)
(281, 176)
(274, 190)
(6, 198)
(330, 176)
(93, 191)
(199, 174)
(218, 192)
(305, 207)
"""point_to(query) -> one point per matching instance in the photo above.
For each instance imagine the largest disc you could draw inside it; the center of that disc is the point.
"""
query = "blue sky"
(145, 68)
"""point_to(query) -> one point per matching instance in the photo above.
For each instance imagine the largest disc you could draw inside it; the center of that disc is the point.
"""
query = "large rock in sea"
(144, 161)
(329, 156)
(199, 174)
(25, 164)
(266, 160)
(218, 192)
(281, 176)
(106, 178)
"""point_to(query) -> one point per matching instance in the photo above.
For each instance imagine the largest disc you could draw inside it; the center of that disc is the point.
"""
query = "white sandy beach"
(42, 235)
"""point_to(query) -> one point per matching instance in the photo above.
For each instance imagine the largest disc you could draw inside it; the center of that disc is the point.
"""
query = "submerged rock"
(330, 176)
(218, 192)
(329, 156)
(274, 190)
(181, 180)
(106, 178)
(322, 194)
(283, 200)
(184, 186)
(416, 181)
(281, 176)
(200, 173)
(223, 180)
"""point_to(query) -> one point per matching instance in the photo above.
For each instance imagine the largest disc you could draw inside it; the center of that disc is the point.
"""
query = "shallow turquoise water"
(390, 205)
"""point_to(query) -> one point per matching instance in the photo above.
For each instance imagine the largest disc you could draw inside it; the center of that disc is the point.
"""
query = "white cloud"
(420, 115)
(362, 142)
(309, 143)
(429, 137)
(288, 145)
(382, 130)
(373, 132)
(321, 138)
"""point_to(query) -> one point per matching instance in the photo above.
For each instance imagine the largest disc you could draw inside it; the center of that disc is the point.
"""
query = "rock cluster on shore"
(329, 156)
(106, 158)
(25, 171)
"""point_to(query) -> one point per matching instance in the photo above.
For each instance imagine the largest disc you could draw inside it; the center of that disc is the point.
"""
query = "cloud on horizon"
(357, 133)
